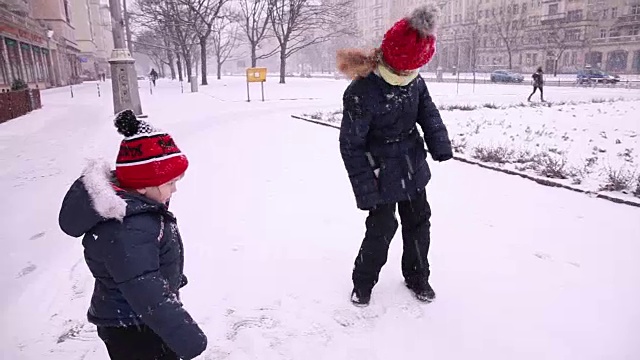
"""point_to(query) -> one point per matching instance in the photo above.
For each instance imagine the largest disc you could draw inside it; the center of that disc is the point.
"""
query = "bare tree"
(254, 19)
(183, 21)
(204, 15)
(298, 24)
(151, 44)
(508, 22)
(169, 17)
(225, 36)
(558, 39)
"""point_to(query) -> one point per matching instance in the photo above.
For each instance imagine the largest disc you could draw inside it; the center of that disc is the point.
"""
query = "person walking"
(384, 154)
(538, 83)
(154, 76)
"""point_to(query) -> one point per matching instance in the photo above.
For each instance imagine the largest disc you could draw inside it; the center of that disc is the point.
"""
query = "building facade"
(562, 36)
(559, 35)
(24, 47)
(57, 16)
(105, 40)
(373, 18)
(93, 35)
(49, 43)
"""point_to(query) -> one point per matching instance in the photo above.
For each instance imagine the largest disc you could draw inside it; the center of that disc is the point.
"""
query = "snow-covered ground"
(271, 229)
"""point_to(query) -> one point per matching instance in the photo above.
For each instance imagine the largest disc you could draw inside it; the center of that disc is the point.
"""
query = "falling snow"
(271, 232)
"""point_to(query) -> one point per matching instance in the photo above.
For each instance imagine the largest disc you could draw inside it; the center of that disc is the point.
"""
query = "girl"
(384, 153)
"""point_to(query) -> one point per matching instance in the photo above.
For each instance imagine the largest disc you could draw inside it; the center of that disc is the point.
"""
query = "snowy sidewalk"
(271, 229)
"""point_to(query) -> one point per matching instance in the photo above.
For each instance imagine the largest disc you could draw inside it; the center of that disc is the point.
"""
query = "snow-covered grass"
(271, 231)
(591, 144)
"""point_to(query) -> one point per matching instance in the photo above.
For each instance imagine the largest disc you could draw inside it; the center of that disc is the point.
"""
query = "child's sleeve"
(353, 148)
(132, 258)
(435, 132)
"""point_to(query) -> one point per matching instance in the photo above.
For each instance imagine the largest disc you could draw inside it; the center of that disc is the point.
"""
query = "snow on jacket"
(381, 147)
(135, 253)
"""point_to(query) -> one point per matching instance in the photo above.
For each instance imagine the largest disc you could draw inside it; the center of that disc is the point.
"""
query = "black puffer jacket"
(379, 135)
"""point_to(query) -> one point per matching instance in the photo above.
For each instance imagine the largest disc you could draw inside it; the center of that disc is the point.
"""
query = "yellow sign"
(256, 74)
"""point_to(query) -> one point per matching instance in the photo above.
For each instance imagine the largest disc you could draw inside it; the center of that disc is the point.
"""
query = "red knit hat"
(147, 157)
(411, 42)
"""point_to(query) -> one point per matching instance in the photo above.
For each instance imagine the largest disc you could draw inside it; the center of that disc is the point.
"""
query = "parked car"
(506, 76)
(588, 76)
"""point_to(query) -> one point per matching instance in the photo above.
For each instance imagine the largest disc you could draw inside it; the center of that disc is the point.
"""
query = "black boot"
(360, 297)
(422, 290)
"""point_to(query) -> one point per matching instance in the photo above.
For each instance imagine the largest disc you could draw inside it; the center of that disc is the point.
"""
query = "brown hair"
(357, 63)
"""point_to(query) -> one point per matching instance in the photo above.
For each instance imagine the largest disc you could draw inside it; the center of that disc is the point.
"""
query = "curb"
(538, 180)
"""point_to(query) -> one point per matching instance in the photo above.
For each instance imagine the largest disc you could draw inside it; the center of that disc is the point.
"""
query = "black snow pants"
(535, 87)
(381, 227)
(134, 343)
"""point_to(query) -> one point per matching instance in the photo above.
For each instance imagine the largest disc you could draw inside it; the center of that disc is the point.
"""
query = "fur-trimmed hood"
(95, 198)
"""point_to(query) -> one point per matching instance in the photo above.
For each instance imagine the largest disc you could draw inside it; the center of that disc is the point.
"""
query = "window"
(524, 8)
(66, 10)
(603, 33)
(13, 53)
(573, 35)
(553, 9)
(4, 77)
(575, 15)
(614, 32)
(635, 10)
(635, 30)
(614, 13)
(605, 13)
(516, 9)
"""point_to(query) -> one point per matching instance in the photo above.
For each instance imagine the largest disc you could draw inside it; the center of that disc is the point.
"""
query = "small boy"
(133, 248)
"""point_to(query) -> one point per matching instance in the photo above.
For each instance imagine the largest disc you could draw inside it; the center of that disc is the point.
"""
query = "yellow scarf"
(394, 79)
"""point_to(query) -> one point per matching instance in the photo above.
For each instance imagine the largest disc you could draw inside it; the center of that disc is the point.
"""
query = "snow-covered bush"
(524, 157)
(618, 180)
(462, 107)
(492, 154)
(552, 166)
(459, 144)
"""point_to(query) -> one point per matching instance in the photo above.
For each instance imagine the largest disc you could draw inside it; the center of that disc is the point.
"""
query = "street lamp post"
(123, 72)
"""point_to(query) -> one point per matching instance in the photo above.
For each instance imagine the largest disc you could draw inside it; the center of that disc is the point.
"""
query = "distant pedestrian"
(538, 83)
(154, 76)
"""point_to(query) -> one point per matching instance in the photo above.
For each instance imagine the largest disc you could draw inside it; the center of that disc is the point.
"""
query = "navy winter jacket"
(381, 147)
(134, 251)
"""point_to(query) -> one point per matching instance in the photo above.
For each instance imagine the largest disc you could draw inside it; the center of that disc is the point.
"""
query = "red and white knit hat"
(147, 157)
(411, 42)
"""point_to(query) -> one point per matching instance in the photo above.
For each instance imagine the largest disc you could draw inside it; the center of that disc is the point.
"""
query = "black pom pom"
(127, 123)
